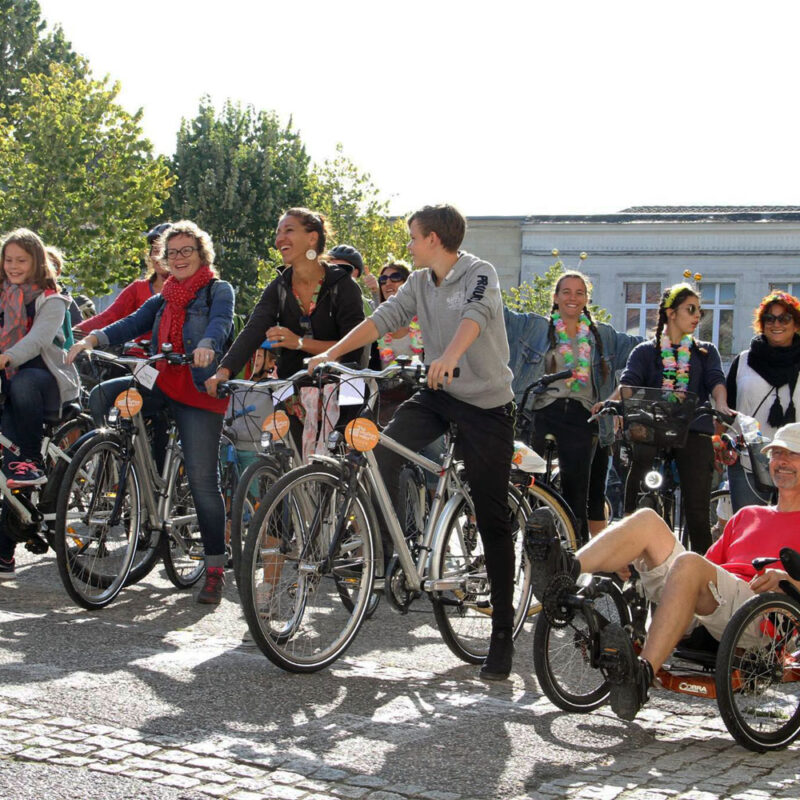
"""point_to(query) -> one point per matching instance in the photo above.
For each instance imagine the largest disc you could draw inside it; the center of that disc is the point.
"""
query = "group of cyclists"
(446, 310)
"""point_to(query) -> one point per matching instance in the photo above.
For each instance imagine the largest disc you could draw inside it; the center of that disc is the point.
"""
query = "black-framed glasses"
(184, 251)
(394, 277)
(771, 319)
(692, 309)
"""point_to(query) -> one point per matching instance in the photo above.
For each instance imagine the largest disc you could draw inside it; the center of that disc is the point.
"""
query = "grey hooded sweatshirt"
(469, 291)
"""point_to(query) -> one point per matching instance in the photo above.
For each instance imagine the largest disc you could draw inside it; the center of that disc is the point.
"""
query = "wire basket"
(657, 417)
(759, 464)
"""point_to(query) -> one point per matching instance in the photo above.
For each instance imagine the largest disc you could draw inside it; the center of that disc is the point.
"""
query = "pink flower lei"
(580, 371)
(387, 353)
(676, 372)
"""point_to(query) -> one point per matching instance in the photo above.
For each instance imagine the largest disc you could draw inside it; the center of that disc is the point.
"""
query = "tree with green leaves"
(75, 167)
(236, 172)
(537, 294)
(26, 49)
(353, 206)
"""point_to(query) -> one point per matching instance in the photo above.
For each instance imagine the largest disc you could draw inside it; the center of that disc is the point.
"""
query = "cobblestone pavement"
(158, 697)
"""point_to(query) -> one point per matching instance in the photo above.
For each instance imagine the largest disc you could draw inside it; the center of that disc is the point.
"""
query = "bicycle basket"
(657, 417)
(759, 464)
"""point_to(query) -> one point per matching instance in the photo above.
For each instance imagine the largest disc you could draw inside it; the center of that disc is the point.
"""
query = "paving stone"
(43, 741)
(284, 776)
(71, 761)
(38, 753)
(178, 769)
(219, 790)
(78, 748)
(406, 788)
(214, 777)
(13, 735)
(382, 795)
(97, 730)
(245, 771)
(27, 713)
(303, 766)
(143, 774)
(175, 756)
(70, 736)
(109, 767)
(64, 722)
(179, 781)
(209, 763)
(439, 795)
(351, 792)
(139, 748)
(112, 755)
(330, 774)
(106, 742)
(283, 792)
(9, 748)
(10, 722)
(370, 781)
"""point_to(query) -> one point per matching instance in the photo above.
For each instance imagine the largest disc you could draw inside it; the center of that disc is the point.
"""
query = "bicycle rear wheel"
(563, 654)
(182, 548)
(758, 673)
(305, 546)
(253, 485)
(98, 515)
(463, 611)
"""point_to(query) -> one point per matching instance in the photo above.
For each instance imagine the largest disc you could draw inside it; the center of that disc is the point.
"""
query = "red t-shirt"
(752, 532)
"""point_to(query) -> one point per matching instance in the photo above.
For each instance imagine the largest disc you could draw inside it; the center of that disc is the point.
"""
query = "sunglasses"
(395, 277)
(771, 319)
(692, 309)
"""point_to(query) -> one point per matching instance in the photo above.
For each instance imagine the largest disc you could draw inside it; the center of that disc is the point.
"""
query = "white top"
(755, 396)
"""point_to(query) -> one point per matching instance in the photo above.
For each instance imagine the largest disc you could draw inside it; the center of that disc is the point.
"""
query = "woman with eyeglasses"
(194, 314)
(675, 360)
(406, 341)
(762, 382)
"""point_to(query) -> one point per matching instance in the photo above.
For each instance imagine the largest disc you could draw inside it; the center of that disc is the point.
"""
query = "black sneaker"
(7, 568)
(545, 553)
(629, 676)
(497, 666)
(24, 473)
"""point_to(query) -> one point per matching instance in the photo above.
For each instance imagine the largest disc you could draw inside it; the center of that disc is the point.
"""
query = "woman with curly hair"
(568, 339)
(675, 360)
(762, 382)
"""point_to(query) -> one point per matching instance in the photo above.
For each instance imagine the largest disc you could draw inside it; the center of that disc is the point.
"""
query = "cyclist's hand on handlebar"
(440, 372)
(316, 360)
(203, 356)
(85, 344)
(768, 581)
(218, 377)
(599, 406)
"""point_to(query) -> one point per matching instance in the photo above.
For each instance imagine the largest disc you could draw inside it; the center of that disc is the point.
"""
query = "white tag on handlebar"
(351, 392)
(146, 374)
(282, 394)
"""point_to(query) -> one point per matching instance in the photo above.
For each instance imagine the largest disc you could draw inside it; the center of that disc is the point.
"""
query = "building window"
(791, 288)
(717, 323)
(641, 308)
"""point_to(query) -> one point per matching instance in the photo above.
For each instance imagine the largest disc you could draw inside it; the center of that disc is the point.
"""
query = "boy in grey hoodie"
(456, 298)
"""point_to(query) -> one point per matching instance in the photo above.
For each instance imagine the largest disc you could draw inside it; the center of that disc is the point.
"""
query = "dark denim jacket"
(528, 344)
(204, 326)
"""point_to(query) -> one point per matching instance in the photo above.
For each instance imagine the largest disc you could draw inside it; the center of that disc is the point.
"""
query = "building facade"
(740, 252)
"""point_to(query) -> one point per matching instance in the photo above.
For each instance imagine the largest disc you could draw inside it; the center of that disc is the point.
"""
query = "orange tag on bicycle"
(362, 434)
(129, 403)
(277, 424)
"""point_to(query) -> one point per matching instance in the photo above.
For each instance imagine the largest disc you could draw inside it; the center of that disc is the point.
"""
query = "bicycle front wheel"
(308, 545)
(758, 673)
(182, 548)
(98, 516)
(463, 609)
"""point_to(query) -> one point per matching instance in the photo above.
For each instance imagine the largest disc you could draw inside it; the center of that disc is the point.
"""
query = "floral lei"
(676, 373)
(580, 373)
(387, 352)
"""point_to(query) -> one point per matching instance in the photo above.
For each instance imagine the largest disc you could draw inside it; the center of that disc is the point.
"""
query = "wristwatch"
(299, 344)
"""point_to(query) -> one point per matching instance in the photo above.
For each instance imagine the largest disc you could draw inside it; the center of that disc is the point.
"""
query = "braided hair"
(672, 299)
(551, 331)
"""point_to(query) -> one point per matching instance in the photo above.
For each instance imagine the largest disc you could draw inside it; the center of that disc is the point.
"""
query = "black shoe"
(7, 568)
(629, 676)
(545, 553)
(497, 666)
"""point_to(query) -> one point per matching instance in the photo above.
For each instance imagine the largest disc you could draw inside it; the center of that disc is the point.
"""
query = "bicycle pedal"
(37, 545)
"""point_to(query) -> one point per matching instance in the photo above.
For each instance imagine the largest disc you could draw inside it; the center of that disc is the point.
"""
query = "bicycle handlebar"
(233, 385)
(413, 371)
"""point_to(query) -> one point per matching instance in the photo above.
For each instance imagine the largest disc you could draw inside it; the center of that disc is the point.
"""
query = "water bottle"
(751, 429)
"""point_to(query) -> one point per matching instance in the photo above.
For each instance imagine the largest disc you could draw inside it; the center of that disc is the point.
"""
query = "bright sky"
(498, 107)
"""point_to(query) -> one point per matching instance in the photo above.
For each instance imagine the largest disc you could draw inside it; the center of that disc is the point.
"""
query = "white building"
(741, 253)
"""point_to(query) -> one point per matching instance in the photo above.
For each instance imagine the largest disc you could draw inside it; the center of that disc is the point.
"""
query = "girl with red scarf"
(37, 379)
(194, 314)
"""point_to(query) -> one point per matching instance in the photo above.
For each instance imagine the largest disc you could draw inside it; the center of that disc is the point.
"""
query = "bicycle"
(313, 551)
(753, 672)
(115, 514)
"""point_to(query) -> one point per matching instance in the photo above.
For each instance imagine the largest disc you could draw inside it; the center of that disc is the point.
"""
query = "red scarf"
(13, 299)
(178, 295)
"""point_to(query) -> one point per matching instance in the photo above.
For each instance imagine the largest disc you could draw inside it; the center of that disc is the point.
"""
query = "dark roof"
(640, 214)
(710, 209)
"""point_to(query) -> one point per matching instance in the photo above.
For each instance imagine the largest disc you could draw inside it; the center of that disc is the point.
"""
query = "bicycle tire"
(758, 663)
(562, 655)
(543, 495)
(182, 547)
(252, 487)
(464, 614)
(94, 558)
(290, 590)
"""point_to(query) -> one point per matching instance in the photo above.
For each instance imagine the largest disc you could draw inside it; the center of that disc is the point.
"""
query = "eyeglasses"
(771, 319)
(184, 251)
(395, 277)
(692, 309)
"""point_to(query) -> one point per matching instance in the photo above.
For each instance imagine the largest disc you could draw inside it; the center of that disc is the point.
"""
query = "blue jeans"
(742, 492)
(30, 395)
(199, 431)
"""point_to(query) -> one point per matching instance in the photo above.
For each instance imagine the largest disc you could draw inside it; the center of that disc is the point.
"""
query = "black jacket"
(339, 309)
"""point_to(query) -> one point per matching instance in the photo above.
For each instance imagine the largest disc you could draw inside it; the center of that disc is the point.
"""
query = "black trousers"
(695, 462)
(486, 445)
(576, 439)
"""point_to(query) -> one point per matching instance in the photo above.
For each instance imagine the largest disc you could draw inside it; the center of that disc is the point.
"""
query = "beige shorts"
(729, 591)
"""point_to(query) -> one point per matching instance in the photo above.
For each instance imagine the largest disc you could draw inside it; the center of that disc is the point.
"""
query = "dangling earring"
(311, 254)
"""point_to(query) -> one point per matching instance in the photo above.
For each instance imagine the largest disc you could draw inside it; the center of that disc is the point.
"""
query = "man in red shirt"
(689, 589)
